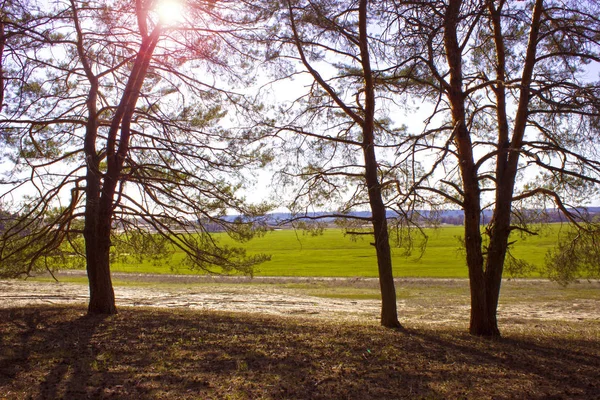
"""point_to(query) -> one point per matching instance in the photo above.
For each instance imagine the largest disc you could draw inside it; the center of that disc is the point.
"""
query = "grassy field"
(144, 353)
(295, 253)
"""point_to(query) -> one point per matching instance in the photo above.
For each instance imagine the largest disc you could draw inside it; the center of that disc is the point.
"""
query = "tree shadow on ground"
(60, 349)
(76, 372)
(146, 353)
(535, 367)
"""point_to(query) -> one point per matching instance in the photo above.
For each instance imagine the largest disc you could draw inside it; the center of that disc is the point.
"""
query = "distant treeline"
(531, 216)
(448, 217)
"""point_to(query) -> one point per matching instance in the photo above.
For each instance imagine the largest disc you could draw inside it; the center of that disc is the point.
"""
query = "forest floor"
(295, 338)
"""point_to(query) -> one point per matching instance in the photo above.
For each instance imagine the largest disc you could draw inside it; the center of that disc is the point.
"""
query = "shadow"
(552, 368)
(74, 357)
(55, 342)
(151, 353)
(15, 350)
(275, 358)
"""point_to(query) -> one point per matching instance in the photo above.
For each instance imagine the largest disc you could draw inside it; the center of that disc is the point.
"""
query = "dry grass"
(145, 353)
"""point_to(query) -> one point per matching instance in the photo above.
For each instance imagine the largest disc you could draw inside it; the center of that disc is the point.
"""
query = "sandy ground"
(239, 298)
(266, 295)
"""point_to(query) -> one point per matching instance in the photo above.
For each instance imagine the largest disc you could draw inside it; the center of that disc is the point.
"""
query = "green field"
(295, 253)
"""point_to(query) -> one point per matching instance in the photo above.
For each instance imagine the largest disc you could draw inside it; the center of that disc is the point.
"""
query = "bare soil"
(295, 338)
(436, 301)
(57, 352)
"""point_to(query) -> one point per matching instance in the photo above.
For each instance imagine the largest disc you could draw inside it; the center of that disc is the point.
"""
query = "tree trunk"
(102, 295)
(96, 231)
(100, 196)
(499, 226)
(481, 322)
(389, 311)
(507, 161)
(2, 44)
(97, 245)
(499, 232)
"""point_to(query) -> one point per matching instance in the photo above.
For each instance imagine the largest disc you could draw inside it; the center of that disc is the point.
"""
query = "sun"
(170, 12)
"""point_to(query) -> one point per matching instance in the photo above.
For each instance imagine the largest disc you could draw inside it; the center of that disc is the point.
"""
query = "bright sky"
(171, 12)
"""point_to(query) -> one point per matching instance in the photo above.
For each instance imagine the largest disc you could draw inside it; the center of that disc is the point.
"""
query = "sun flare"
(170, 12)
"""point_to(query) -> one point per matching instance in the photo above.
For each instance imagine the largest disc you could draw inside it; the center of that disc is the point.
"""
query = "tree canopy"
(113, 119)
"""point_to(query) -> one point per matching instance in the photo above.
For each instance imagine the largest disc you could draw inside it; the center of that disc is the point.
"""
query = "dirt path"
(425, 301)
(259, 299)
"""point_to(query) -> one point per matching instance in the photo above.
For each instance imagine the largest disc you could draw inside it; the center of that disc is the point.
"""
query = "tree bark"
(101, 187)
(2, 44)
(507, 159)
(96, 233)
(485, 276)
(97, 238)
(102, 296)
(389, 312)
(481, 322)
